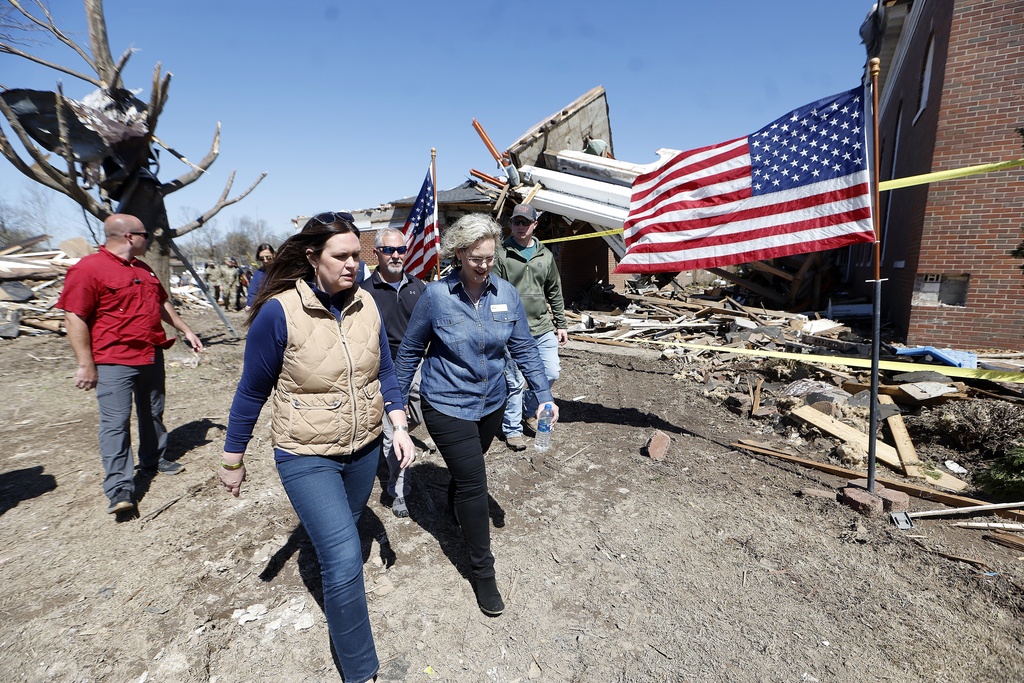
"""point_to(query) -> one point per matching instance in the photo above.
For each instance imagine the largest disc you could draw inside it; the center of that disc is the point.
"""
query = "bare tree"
(106, 142)
(11, 229)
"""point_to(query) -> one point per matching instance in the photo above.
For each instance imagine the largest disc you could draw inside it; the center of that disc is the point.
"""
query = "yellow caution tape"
(586, 236)
(994, 375)
(909, 181)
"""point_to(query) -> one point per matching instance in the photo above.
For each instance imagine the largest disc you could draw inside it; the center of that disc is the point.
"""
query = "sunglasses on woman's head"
(391, 250)
(331, 217)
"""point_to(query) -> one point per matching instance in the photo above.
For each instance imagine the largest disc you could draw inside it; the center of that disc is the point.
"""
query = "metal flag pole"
(876, 300)
(437, 227)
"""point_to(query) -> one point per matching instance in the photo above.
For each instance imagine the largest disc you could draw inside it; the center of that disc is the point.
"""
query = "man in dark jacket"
(396, 293)
(530, 267)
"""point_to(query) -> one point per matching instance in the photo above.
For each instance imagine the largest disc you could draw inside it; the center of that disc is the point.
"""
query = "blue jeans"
(520, 399)
(116, 387)
(328, 495)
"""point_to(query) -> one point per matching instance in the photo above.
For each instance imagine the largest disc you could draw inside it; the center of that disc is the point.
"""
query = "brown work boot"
(515, 443)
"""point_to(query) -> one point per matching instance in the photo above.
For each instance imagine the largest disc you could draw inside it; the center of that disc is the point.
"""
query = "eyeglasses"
(480, 260)
(521, 221)
(143, 235)
(329, 217)
(391, 250)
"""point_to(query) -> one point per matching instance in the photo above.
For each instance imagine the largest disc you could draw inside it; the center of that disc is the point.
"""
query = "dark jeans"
(328, 495)
(116, 386)
(462, 444)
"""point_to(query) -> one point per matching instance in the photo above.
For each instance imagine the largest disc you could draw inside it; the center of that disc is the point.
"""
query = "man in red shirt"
(113, 306)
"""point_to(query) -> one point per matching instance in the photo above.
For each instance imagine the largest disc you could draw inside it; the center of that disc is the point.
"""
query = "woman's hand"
(554, 409)
(405, 451)
(231, 479)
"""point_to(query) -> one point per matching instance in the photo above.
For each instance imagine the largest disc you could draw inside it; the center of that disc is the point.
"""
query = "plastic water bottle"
(542, 441)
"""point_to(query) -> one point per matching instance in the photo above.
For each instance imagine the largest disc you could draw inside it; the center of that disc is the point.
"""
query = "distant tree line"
(34, 215)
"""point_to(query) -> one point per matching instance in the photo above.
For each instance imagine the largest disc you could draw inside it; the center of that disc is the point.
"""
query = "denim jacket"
(463, 348)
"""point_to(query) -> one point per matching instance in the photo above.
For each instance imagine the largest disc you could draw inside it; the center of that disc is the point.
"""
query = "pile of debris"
(807, 377)
(30, 284)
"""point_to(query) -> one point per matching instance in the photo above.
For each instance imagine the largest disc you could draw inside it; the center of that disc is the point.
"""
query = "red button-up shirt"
(120, 301)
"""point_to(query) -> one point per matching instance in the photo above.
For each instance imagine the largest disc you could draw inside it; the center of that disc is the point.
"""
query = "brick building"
(950, 96)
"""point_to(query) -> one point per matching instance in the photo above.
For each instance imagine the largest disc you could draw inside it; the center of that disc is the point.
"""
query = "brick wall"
(971, 224)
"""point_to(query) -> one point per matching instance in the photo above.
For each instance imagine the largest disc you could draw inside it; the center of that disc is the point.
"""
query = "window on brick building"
(935, 289)
(926, 77)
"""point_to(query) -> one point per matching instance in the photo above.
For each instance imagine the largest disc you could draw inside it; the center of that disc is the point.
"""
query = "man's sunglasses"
(391, 250)
(143, 235)
(521, 221)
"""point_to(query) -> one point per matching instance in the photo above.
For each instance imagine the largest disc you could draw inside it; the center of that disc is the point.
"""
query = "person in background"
(264, 255)
(237, 278)
(317, 346)
(396, 293)
(113, 309)
(530, 267)
(460, 329)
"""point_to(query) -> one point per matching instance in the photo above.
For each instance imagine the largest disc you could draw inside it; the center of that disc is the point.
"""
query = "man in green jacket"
(530, 267)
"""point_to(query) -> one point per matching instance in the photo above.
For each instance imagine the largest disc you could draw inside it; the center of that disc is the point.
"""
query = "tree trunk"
(104, 63)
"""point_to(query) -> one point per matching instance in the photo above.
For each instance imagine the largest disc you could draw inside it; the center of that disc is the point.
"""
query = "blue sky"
(340, 102)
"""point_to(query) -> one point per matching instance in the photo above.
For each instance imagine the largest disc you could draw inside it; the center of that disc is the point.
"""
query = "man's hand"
(194, 341)
(85, 377)
(563, 337)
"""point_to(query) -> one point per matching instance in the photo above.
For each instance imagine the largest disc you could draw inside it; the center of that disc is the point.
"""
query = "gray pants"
(115, 388)
(398, 481)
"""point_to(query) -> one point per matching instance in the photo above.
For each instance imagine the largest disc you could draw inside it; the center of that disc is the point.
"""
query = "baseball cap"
(525, 211)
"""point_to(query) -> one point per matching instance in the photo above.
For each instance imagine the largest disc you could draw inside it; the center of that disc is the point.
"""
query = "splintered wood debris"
(31, 282)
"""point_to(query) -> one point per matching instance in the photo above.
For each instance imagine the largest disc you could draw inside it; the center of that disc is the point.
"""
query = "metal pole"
(202, 285)
(876, 302)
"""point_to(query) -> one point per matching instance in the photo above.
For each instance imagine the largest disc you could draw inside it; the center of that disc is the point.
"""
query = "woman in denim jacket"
(460, 329)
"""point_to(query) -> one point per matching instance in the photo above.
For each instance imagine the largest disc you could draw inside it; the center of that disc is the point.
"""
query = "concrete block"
(894, 501)
(861, 501)
(657, 445)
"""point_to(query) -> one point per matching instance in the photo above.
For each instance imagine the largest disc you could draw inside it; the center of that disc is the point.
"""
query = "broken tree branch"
(52, 28)
(6, 48)
(221, 203)
(197, 171)
(103, 63)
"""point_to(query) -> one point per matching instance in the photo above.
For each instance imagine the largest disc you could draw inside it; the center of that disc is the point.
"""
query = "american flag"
(421, 232)
(798, 185)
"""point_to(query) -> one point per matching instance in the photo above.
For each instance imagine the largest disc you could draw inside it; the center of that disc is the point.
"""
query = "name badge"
(499, 308)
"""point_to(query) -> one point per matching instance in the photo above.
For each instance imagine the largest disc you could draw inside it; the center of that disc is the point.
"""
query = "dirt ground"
(706, 566)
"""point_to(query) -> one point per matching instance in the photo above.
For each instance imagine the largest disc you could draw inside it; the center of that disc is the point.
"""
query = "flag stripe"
(799, 184)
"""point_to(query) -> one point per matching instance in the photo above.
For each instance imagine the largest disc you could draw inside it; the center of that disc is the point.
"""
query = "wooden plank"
(767, 292)
(768, 268)
(852, 436)
(915, 490)
(883, 452)
(1005, 539)
(904, 444)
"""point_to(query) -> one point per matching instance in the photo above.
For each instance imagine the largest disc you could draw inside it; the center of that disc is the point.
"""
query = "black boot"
(487, 596)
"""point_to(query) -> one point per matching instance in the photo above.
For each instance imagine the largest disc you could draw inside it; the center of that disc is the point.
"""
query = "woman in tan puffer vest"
(317, 350)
